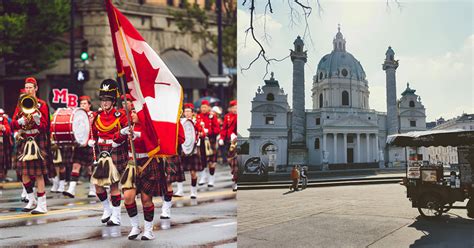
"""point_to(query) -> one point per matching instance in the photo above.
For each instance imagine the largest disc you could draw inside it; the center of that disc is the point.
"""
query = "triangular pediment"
(348, 122)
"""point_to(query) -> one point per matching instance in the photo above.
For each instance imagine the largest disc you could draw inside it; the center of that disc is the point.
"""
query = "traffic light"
(84, 52)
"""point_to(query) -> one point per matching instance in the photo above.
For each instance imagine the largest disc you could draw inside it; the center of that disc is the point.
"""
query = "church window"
(350, 139)
(327, 117)
(318, 121)
(316, 143)
(269, 120)
(345, 98)
(321, 100)
(270, 97)
(412, 104)
(412, 123)
(391, 57)
(344, 72)
(320, 75)
(369, 118)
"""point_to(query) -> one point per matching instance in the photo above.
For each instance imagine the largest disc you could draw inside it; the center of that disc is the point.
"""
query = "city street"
(345, 216)
(207, 221)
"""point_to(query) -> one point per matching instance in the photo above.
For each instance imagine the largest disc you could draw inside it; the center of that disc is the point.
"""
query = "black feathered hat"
(109, 89)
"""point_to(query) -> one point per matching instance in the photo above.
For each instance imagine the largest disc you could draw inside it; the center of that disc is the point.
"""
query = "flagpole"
(130, 138)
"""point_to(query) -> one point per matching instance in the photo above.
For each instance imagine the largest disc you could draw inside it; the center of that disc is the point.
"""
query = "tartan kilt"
(173, 169)
(232, 160)
(192, 163)
(202, 149)
(119, 155)
(151, 180)
(67, 153)
(38, 167)
(83, 156)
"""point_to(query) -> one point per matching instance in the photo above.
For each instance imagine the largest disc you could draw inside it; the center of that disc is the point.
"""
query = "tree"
(194, 19)
(29, 31)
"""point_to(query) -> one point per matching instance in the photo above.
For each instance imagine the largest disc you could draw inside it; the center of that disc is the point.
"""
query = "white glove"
(137, 134)
(125, 131)
(37, 118)
(21, 121)
(233, 137)
(114, 145)
(206, 130)
(221, 142)
(91, 143)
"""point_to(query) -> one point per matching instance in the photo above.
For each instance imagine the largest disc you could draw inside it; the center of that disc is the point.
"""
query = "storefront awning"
(208, 63)
(185, 69)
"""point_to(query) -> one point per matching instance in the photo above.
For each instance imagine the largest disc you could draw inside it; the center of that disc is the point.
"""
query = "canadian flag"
(156, 93)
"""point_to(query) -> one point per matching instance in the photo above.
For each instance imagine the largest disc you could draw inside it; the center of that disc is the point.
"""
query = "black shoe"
(133, 237)
(193, 197)
(164, 218)
(145, 238)
(27, 209)
(111, 223)
(24, 199)
(234, 190)
(105, 220)
(67, 194)
(210, 186)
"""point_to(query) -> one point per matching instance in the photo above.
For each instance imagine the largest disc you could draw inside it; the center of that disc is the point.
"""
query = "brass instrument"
(28, 105)
(233, 145)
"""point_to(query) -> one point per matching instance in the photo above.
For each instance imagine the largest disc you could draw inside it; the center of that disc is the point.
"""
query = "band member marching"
(83, 155)
(192, 162)
(5, 145)
(210, 129)
(174, 172)
(113, 156)
(149, 181)
(62, 160)
(31, 128)
(228, 137)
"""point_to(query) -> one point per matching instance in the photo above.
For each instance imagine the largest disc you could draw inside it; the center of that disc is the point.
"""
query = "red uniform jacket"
(4, 122)
(107, 124)
(209, 122)
(229, 127)
(44, 122)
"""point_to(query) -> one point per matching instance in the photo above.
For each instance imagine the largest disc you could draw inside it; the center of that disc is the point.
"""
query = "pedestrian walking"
(295, 176)
(304, 177)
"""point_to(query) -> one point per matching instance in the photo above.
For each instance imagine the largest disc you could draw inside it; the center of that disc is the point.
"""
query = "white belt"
(32, 131)
(138, 155)
(105, 141)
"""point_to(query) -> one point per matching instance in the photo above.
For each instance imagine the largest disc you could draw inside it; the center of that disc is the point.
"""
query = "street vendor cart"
(430, 188)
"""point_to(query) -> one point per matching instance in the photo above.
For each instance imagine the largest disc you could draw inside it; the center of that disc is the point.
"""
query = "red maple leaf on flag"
(146, 74)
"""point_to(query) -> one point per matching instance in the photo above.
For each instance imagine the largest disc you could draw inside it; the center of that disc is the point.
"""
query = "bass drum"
(190, 137)
(70, 126)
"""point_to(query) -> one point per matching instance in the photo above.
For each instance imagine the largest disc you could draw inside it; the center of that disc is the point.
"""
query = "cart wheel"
(432, 206)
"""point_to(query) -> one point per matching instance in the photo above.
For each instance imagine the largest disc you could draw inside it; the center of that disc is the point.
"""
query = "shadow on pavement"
(445, 231)
(290, 191)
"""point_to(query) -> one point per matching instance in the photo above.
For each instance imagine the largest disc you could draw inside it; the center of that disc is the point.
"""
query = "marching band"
(107, 147)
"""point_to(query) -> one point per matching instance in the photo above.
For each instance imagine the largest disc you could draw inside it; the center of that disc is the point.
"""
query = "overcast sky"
(433, 41)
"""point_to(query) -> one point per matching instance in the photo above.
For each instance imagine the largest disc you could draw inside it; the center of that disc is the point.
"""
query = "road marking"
(225, 224)
(98, 207)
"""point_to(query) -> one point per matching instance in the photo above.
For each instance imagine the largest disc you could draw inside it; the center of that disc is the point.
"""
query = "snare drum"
(70, 126)
(190, 137)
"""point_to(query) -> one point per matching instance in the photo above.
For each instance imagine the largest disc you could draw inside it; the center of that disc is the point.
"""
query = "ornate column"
(358, 148)
(324, 146)
(367, 135)
(335, 148)
(377, 148)
(298, 57)
(345, 148)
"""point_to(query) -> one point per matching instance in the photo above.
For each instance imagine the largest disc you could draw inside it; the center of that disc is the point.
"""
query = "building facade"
(341, 128)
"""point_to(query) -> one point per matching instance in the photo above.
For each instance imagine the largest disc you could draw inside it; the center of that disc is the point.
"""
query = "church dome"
(339, 63)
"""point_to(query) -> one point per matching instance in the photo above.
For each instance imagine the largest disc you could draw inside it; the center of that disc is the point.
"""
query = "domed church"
(340, 131)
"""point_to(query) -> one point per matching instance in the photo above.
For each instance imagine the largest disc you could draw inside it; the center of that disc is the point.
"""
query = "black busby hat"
(109, 89)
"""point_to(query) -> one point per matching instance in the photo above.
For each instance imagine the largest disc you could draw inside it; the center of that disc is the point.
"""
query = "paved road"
(345, 216)
(208, 221)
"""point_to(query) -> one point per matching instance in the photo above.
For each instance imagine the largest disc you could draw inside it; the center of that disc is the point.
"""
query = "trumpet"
(28, 105)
